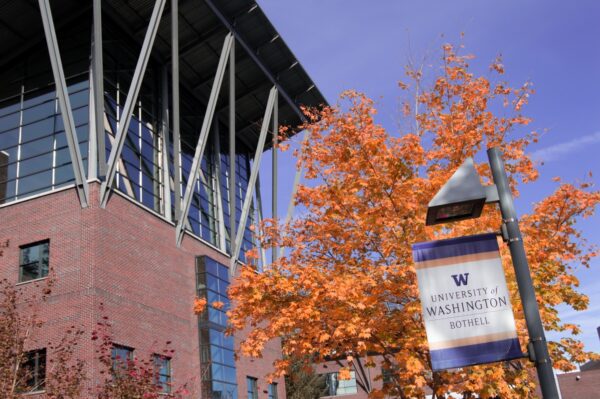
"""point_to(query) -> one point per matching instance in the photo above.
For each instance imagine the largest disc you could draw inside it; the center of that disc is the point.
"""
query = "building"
(582, 384)
(131, 134)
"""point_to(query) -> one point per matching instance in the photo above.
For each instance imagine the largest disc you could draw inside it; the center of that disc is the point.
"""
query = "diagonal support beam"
(259, 212)
(132, 95)
(202, 139)
(292, 203)
(252, 181)
(164, 153)
(240, 40)
(218, 194)
(232, 158)
(65, 105)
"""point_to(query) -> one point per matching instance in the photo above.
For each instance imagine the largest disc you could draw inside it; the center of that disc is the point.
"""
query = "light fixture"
(462, 197)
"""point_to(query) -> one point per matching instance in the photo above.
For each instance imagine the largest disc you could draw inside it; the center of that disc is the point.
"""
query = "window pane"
(273, 391)
(34, 371)
(252, 387)
(335, 386)
(34, 261)
(121, 356)
(162, 367)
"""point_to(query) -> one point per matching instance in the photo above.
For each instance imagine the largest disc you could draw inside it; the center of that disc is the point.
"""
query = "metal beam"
(252, 181)
(259, 212)
(274, 172)
(257, 60)
(175, 104)
(98, 81)
(164, 148)
(201, 37)
(123, 173)
(206, 123)
(219, 195)
(92, 172)
(65, 105)
(297, 176)
(132, 95)
(232, 158)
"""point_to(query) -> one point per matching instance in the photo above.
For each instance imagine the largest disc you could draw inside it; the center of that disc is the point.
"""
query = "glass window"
(34, 261)
(162, 366)
(32, 138)
(273, 390)
(34, 371)
(389, 375)
(252, 387)
(121, 357)
(217, 355)
(334, 386)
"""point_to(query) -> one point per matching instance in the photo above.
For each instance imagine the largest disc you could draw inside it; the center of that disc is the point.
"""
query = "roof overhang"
(262, 57)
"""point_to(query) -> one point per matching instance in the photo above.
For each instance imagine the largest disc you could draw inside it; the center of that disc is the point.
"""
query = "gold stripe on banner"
(454, 260)
(480, 339)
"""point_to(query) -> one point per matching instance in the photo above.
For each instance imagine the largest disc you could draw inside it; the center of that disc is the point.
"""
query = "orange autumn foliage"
(199, 305)
(347, 286)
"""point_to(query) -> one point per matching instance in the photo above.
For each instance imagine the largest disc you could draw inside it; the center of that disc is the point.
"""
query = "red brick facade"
(125, 258)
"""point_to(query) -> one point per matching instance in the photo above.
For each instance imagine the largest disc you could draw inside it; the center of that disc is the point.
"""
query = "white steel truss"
(202, 139)
(252, 181)
(169, 180)
(128, 108)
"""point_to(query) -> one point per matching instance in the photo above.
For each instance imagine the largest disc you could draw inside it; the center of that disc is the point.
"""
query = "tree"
(19, 325)
(65, 375)
(302, 382)
(135, 378)
(347, 286)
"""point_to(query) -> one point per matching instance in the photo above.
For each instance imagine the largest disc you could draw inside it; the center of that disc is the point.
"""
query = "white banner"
(466, 304)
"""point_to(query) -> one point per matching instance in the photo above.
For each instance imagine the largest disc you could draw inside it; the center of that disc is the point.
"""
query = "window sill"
(35, 280)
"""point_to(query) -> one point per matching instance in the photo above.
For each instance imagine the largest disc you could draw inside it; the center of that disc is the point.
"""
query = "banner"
(466, 305)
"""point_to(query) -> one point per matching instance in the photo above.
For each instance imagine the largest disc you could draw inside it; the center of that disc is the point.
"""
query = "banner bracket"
(531, 352)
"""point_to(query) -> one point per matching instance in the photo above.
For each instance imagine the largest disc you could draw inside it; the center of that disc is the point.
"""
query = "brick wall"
(125, 258)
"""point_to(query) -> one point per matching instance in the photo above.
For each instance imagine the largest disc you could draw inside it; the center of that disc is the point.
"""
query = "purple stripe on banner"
(470, 355)
(454, 247)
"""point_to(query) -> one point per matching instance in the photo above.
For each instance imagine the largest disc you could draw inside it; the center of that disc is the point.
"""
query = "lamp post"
(463, 197)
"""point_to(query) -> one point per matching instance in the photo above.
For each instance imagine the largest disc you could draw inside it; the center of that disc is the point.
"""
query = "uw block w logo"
(460, 279)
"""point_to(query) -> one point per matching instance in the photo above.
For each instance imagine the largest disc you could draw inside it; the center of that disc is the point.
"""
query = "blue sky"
(364, 45)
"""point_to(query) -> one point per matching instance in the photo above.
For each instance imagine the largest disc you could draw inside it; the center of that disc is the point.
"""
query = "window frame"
(332, 384)
(124, 363)
(272, 391)
(38, 262)
(157, 360)
(252, 387)
(39, 382)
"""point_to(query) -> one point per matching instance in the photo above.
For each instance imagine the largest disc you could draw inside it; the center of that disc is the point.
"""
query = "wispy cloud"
(558, 151)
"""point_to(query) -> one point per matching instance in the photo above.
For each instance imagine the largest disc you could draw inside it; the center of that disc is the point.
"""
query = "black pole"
(543, 363)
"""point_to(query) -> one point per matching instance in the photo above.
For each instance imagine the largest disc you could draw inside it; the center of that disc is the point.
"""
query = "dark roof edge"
(230, 26)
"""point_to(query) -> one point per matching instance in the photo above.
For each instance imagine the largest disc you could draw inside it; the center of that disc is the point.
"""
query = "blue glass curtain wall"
(140, 171)
(216, 349)
(34, 156)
